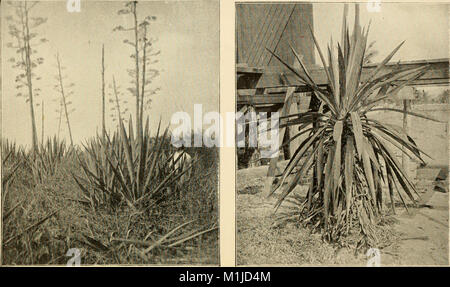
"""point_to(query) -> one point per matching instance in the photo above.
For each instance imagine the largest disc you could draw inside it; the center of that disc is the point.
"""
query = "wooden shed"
(275, 27)
(271, 26)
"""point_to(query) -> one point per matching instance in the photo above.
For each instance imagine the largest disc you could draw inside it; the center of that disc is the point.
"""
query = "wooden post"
(274, 160)
(286, 150)
(303, 99)
(406, 108)
(406, 94)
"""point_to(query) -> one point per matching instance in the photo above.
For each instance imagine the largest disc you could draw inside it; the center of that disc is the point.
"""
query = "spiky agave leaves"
(98, 185)
(48, 158)
(43, 162)
(11, 152)
(8, 174)
(122, 168)
(348, 153)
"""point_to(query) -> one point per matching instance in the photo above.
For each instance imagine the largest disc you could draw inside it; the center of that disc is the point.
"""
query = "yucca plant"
(348, 153)
(46, 161)
(97, 171)
(127, 171)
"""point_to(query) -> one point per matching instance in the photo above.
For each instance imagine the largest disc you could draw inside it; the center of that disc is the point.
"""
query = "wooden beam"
(276, 77)
(270, 91)
(437, 74)
(273, 99)
(406, 108)
(268, 108)
(274, 160)
(248, 70)
(273, 96)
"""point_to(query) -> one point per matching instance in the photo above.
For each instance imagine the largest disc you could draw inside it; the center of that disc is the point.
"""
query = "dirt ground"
(420, 238)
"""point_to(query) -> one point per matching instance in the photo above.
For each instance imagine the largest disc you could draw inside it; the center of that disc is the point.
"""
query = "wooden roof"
(273, 26)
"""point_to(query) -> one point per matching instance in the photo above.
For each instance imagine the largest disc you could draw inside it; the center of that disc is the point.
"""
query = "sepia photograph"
(342, 134)
(94, 171)
(121, 138)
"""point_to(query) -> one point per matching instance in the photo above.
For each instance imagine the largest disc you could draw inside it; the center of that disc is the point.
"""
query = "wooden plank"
(297, 35)
(263, 20)
(239, 32)
(302, 39)
(295, 108)
(271, 91)
(273, 161)
(268, 108)
(250, 25)
(261, 25)
(437, 74)
(271, 21)
(244, 22)
(262, 99)
(303, 103)
(241, 68)
(406, 108)
(277, 34)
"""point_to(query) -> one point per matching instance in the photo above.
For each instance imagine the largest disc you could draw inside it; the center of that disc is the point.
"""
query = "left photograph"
(95, 97)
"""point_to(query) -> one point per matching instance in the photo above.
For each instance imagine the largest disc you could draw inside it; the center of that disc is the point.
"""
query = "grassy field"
(45, 215)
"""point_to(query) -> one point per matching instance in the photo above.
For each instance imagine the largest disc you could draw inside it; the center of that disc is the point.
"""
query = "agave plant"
(8, 174)
(123, 170)
(349, 153)
(97, 171)
(46, 160)
(14, 158)
(11, 152)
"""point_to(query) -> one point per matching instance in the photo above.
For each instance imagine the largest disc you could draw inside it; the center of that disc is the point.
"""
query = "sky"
(187, 35)
(423, 27)
(188, 38)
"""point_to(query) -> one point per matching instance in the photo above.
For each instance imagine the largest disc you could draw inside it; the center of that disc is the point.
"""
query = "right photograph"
(342, 134)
